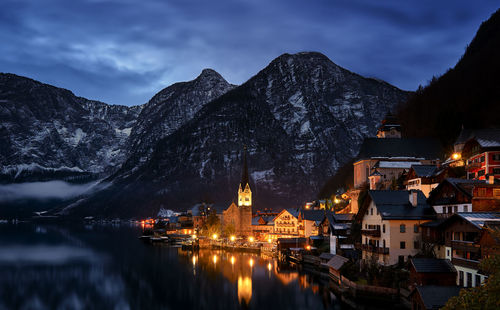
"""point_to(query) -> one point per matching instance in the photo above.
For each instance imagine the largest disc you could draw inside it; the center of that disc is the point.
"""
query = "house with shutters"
(390, 225)
(481, 153)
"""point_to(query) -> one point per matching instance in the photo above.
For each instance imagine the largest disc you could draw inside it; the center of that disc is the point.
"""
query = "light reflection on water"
(57, 267)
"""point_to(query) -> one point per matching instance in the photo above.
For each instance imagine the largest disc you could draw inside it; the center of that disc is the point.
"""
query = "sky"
(124, 51)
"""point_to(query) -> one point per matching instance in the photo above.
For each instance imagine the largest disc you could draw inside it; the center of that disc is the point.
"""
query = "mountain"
(169, 109)
(465, 96)
(49, 133)
(301, 118)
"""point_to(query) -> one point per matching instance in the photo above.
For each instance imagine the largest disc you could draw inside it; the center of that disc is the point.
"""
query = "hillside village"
(420, 220)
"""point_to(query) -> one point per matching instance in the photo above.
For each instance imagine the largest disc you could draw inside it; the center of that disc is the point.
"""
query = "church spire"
(244, 174)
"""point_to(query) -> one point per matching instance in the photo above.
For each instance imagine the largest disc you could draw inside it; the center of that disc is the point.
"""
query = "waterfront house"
(432, 297)
(390, 225)
(462, 234)
(335, 228)
(453, 195)
(309, 221)
(432, 271)
(263, 226)
(286, 224)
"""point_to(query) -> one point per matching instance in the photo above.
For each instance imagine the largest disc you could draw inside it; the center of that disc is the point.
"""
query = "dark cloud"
(123, 51)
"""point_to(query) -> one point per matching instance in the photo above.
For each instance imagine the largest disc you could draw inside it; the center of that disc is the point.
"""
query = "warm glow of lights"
(232, 260)
(269, 266)
(336, 200)
(214, 236)
(251, 262)
(456, 156)
(307, 206)
(232, 238)
(244, 289)
(269, 240)
(251, 239)
(214, 259)
(193, 236)
(308, 247)
(194, 260)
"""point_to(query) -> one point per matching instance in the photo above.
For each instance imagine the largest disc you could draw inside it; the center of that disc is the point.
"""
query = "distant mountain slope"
(301, 118)
(169, 109)
(468, 94)
(47, 132)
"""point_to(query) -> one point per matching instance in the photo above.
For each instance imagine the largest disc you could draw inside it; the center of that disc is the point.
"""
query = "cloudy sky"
(124, 51)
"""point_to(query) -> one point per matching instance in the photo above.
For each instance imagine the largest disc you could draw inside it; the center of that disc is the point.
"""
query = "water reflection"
(72, 267)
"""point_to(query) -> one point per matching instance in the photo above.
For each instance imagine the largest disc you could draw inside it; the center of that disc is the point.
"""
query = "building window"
(496, 192)
(383, 242)
(402, 245)
(455, 209)
(402, 228)
(449, 210)
(469, 279)
(447, 253)
(466, 208)
(415, 228)
(482, 192)
(481, 159)
(371, 211)
(496, 170)
(480, 173)
(383, 228)
(472, 175)
(461, 278)
(416, 245)
(401, 259)
(478, 280)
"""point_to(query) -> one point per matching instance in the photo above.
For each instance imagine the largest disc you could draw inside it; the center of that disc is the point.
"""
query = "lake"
(46, 266)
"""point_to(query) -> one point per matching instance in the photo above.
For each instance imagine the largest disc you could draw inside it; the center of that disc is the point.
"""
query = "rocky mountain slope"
(49, 133)
(301, 118)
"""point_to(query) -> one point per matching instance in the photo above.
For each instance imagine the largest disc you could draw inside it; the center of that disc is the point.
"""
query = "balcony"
(467, 246)
(463, 262)
(474, 165)
(371, 232)
(374, 249)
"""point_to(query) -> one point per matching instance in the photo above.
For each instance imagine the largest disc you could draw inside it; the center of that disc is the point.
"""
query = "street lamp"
(214, 236)
(233, 238)
(251, 239)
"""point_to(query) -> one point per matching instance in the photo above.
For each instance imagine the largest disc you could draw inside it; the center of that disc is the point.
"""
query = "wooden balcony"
(467, 246)
(374, 249)
(468, 263)
(371, 232)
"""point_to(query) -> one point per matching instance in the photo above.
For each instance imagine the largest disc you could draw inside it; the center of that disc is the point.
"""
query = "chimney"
(413, 198)
(491, 179)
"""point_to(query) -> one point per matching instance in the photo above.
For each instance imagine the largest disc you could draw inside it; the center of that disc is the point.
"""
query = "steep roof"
(399, 148)
(337, 262)
(485, 137)
(479, 219)
(424, 171)
(435, 297)
(465, 186)
(313, 215)
(396, 205)
(432, 265)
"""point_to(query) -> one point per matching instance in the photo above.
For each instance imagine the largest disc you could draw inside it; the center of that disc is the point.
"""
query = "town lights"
(214, 236)
(269, 240)
(308, 247)
(232, 238)
(456, 156)
(193, 236)
(251, 239)
(269, 266)
(232, 260)
(251, 262)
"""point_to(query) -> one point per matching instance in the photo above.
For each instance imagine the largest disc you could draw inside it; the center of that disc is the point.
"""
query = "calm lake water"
(104, 267)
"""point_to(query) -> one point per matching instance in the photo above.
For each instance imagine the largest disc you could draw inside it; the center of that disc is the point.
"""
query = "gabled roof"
(464, 186)
(424, 171)
(327, 256)
(432, 265)
(394, 205)
(479, 219)
(313, 215)
(485, 137)
(399, 148)
(435, 297)
(293, 211)
(344, 217)
(337, 262)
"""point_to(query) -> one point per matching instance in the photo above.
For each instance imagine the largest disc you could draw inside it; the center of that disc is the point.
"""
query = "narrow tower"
(244, 192)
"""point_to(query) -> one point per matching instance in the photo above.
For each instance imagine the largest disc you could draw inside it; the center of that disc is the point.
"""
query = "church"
(238, 218)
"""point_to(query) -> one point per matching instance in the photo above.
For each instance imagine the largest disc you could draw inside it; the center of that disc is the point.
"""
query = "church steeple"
(244, 174)
(244, 191)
